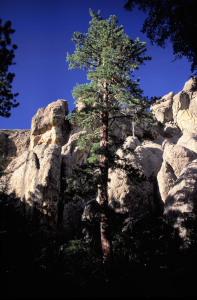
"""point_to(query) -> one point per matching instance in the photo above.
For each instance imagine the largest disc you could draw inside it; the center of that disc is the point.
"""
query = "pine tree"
(7, 98)
(109, 56)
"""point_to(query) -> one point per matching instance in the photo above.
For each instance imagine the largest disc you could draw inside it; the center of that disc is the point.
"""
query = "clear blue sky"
(44, 29)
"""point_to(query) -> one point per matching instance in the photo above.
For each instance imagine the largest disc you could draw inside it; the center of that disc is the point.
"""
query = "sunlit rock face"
(131, 193)
(164, 157)
(34, 171)
(43, 161)
(177, 177)
(162, 109)
(48, 125)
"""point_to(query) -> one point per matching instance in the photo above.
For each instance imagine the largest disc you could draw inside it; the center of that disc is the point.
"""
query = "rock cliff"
(40, 159)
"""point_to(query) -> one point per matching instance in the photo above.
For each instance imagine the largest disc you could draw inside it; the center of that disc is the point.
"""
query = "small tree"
(7, 98)
(109, 56)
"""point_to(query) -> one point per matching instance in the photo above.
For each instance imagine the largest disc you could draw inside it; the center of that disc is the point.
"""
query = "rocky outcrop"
(181, 199)
(49, 126)
(188, 140)
(162, 109)
(14, 142)
(34, 172)
(134, 191)
(35, 178)
(71, 153)
(177, 176)
(191, 85)
(160, 161)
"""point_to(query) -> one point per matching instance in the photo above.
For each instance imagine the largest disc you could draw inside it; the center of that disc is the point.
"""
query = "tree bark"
(103, 185)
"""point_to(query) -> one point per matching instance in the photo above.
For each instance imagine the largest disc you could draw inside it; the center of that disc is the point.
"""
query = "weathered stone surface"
(193, 102)
(188, 140)
(35, 178)
(155, 147)
(123, 126)
(184, 106)
(177, 176)
(72, 155)
(181, 199)
(191, 85)
(131, 143)
(166, 179)
(183, 194)
(162, 109)
(15, 141)
(128, 193)
(177, 156)
(35, 175)
(171, 130)
(48, 125)
(18, 142)
(165, 156)
(180, 103)
(147, 161)
(186, 120)
(179, 109)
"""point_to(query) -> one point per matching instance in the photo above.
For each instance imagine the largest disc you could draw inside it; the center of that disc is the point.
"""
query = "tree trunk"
(133, 128)
(103, 185)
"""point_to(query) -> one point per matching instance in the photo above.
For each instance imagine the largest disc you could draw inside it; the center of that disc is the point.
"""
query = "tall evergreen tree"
(109, 56)
(7, 97)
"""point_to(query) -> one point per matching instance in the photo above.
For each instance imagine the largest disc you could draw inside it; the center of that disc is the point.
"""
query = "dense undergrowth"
(148, 260)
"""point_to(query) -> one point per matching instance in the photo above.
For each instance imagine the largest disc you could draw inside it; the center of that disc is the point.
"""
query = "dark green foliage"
(82, 263)
(3, 160)
(81, 185)
(110, 57)
(7, 98)
(146, 241)
(171, 20)
(148, 260)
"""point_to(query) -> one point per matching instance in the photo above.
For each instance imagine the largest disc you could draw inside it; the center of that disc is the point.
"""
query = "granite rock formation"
(165, 155)
(177, 176)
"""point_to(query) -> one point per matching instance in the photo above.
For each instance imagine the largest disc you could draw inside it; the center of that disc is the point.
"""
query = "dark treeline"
(148, 259)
